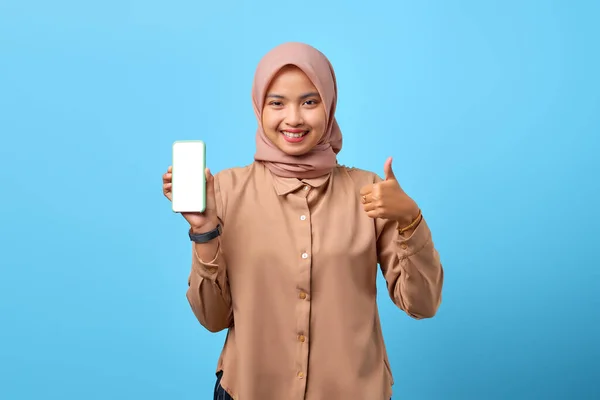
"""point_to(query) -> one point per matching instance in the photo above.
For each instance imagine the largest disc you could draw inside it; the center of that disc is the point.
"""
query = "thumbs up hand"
(387, 200)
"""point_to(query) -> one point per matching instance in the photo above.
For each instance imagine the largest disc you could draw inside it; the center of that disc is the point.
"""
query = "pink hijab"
(323, 157)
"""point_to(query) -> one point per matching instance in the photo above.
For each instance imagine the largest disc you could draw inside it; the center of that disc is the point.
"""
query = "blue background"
(491, 111)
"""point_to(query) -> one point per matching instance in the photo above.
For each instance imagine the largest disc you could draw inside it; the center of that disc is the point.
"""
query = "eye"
(275, 103)
(311, 102)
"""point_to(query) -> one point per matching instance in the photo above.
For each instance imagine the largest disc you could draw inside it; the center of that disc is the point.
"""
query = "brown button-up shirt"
(294, 282)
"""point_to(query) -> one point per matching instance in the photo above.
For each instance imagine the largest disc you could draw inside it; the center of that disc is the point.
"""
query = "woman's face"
(293, 116)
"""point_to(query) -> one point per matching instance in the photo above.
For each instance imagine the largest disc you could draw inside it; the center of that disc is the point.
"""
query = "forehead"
(291, 78)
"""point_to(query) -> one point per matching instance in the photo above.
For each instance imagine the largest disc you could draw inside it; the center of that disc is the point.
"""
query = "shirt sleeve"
(411, 267)
(208, 287)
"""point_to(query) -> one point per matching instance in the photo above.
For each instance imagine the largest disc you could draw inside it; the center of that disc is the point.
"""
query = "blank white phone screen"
(188, 179)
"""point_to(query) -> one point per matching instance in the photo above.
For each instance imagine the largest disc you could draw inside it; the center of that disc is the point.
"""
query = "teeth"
(294, 135)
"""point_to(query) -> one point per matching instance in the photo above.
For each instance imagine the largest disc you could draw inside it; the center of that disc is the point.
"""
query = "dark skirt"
(220, 393)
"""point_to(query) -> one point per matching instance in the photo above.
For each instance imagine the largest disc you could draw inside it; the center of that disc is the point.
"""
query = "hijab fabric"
(323, 157)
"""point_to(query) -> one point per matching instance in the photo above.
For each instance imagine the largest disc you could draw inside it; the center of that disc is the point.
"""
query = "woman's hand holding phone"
(199, 222)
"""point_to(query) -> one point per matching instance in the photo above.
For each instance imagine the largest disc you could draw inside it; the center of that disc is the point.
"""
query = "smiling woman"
(285, 256)
(293, 118)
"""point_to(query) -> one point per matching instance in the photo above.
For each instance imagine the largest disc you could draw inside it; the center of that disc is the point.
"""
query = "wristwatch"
(205, 237)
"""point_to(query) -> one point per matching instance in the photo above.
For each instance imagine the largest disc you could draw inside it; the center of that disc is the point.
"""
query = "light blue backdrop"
(490, 109)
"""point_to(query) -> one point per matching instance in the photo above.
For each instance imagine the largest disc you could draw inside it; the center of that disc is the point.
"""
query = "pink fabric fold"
(323, 157)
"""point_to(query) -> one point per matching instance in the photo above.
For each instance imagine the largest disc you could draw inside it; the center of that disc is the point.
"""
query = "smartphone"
(188, 180)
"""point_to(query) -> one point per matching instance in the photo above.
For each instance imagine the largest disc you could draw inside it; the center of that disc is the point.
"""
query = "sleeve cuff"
(207, 269)
(417, 240)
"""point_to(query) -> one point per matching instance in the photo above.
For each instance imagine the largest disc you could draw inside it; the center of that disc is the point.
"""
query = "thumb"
(210, 182)
(387, 169)
(211, 201)
(210, 189)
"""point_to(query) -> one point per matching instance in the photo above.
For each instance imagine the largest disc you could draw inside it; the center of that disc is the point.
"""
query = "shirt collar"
(284, 186)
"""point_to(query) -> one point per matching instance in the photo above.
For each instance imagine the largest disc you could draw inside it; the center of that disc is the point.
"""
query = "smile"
(294, 135)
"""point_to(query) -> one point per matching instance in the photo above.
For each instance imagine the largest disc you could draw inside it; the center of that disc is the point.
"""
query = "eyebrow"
(304, 96)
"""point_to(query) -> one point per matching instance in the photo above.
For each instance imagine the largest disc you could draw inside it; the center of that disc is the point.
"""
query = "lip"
(294, 140)
(294, 130)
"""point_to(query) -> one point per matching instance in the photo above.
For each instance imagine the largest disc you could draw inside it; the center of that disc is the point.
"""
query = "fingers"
(373, 214)
(370, 206)
(167, 176)
(365, 190)
(370, 193)
(387, 170)
(167, 190)
(374, 209)
(368, 198)
(167, 183)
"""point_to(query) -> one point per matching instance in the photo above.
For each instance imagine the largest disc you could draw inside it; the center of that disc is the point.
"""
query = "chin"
(294, 151)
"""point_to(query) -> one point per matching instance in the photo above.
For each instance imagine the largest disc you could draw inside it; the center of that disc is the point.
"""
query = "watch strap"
(205, 237)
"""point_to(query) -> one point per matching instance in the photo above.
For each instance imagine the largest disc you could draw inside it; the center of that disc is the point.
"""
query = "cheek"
(319, 121)
(268, 121)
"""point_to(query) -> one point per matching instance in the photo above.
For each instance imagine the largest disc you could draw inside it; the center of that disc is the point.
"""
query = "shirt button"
(302, 217)
(404, 246)
(304, 255)
(301, 338)
(302, 295)
(300, 375)
(305, 187)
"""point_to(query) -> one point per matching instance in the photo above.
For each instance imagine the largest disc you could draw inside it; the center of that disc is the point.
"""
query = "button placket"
(305, 265)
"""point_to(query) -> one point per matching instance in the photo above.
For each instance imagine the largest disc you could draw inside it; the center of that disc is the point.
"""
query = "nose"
(294, 117)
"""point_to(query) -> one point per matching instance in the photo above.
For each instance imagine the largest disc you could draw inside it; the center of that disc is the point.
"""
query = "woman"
(285, 255)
